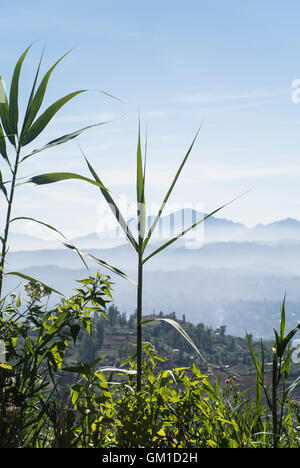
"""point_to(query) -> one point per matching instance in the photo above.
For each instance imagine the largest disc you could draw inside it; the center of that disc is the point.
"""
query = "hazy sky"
(231, 63)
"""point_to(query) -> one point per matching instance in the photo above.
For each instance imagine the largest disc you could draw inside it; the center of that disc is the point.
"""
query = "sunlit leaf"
(14, 93)
(39, 125)
(36, 99)
(4, 114)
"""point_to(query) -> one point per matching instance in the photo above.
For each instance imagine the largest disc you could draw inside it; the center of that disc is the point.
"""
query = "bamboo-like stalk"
(274, 400)
(139, 324)
(31, 127)
(8, 217)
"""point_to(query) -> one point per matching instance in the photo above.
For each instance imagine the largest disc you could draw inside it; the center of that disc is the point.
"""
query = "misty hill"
(280, 258)
(213, 229)
(20, 242)
(228, 280)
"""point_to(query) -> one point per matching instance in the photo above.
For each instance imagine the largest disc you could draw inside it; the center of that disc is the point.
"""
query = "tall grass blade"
(114, 208)
(140, 187)
(169, 242)
(100, 262)
(49, 227)
(39, 222)
(254, 359)
(179, 329)
(169, 191)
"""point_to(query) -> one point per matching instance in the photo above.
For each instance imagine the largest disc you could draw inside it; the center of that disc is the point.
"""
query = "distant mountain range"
(229, 274)
(211, 230)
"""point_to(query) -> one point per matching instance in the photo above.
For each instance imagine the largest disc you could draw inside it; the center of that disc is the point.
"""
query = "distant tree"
(132, 321)
(113, 314)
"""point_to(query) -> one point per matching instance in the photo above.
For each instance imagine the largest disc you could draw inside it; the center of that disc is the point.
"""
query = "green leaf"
(101, 262)
(4, 114)
(36, 100)
(140, 172)
(14, 93)
(107, 94)
(140, 187)
(6, 367)
(3, 144)
(39, 125)
(37, 221)
(169, 242)
(114, 208)
(52, 177)
(255, 361)
(2, 186)
(33, 280)
(63, 139)
(3, 97)
(169, 191)
(282, 321)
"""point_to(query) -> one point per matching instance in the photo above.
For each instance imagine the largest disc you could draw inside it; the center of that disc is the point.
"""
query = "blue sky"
(230, 63)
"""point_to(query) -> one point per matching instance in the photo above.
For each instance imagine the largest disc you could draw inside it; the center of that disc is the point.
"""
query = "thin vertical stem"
(8, 216)
(274, 400)
(139, 325)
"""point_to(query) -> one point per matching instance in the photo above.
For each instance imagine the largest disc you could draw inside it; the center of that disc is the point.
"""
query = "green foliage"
(47, 400)
(36, 341)
(280, 372)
